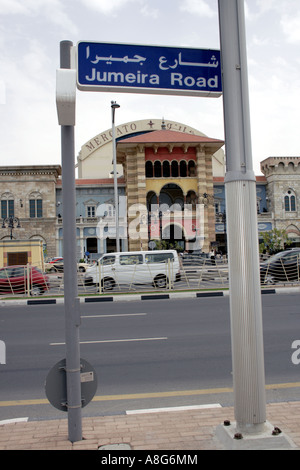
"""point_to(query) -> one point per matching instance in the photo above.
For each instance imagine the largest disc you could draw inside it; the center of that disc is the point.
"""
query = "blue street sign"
(148, 69)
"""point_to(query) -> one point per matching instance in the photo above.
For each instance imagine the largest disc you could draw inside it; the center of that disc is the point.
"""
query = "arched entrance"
(293, 236)
(165, 217)
(173, 236)
(92, 245)
(172, 195)
(171, 202)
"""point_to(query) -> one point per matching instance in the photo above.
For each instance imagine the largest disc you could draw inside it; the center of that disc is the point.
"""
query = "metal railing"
(23, 281)
(201, 274)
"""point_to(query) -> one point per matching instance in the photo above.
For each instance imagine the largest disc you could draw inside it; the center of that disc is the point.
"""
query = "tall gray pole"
(71, 300)
(242, 231)
(114, 106)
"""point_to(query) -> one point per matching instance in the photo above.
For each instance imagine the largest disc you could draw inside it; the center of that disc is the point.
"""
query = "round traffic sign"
(56, 384)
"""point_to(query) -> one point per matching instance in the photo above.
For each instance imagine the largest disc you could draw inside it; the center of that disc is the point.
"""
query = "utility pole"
(65, 97)
(115, 106)
(241, 219)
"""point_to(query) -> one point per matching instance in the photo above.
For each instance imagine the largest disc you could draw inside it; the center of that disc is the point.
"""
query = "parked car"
(54, 265)
(135, 267)
(196, 258)
(283, 266)
(57, 265)
(20, 279)
(82, 267)
(55, 260)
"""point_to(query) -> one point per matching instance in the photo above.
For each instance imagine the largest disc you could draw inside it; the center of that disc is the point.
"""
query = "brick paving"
(171, 430)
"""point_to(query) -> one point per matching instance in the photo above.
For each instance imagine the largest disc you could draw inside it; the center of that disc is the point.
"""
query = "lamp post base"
(262, 437)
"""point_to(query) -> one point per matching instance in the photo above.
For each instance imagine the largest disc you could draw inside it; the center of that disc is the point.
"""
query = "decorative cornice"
(30, 170)
(274, 164)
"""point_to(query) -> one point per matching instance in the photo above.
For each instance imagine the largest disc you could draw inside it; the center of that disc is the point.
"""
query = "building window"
(91, 211)
(166, 169)
(157, 169)
(191, 168)
(35, 208)
(111, 210)
(174, 169)
(191, 198)
(7, 206)
(149, 170)
(290, 201)
(183, 169)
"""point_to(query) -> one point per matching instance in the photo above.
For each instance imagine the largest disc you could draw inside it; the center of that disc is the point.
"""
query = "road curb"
(139, 297)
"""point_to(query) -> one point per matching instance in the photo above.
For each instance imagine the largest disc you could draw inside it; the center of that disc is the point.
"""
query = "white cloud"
(291, 28)
(198, 7)
(52, 10)
(151, 12)
(108, 7)
(267, 5)
(13, 7)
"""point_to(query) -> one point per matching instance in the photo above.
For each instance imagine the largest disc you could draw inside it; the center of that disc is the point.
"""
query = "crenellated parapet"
(280, 165)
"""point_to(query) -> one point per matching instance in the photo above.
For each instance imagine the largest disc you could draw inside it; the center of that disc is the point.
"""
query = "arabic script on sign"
(109, 60)
(163, 63)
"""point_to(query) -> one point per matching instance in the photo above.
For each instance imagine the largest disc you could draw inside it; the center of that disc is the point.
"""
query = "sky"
(30, 35)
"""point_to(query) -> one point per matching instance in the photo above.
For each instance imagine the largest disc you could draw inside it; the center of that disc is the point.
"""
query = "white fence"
(28, 281)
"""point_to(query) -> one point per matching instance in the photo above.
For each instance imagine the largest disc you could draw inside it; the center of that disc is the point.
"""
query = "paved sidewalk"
(160, 430)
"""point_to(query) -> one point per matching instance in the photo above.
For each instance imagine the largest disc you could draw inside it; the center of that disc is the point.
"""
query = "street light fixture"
(9, 222)
(114, 106)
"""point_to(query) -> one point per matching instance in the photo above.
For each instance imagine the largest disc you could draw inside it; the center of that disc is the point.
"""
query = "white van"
(135, 267)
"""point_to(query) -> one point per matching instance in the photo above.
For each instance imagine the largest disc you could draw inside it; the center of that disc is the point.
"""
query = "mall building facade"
(170, 186)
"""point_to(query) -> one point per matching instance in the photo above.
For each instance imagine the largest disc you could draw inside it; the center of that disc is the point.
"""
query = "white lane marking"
(173, 408)
(13, 420)
(115, 341)
(115, 315)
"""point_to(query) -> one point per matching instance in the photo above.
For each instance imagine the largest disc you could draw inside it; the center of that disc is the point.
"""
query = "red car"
(55, 260)
(20, 279)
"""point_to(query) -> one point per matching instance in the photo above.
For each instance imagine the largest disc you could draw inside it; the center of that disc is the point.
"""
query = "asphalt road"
(146, 354)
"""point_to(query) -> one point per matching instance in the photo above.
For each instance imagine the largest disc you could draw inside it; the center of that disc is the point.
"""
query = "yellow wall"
(34, 249)
(186, 184)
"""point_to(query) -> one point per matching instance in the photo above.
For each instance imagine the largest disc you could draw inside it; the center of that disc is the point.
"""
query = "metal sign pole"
(114, 106)
(72, 310)
(240, 184)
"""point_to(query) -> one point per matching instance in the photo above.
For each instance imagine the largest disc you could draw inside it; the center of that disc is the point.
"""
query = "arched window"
(35, 205)
(174, 169)
(290, 201)
(157, 169)
(191, 198)
(166, 169)
(183, 169)
(149, 169)
(7, 205)
(151, 200)
(191, 168)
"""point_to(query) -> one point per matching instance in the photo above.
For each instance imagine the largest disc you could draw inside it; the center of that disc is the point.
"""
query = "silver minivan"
(160, 268)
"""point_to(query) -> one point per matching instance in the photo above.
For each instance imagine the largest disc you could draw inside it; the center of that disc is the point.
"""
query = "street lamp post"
(241, 219)
(114, 106)
(10, 222)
